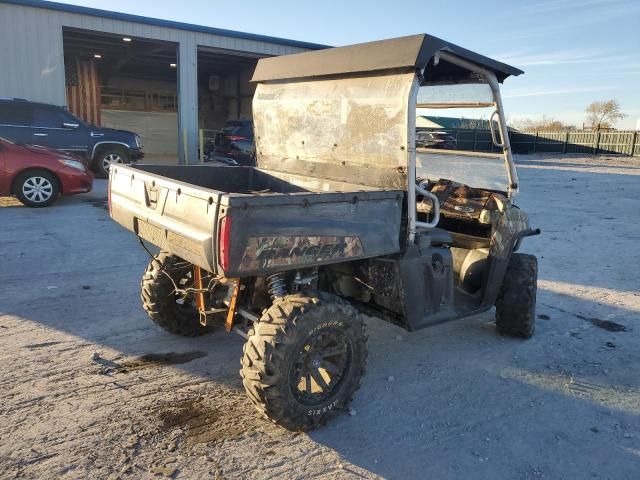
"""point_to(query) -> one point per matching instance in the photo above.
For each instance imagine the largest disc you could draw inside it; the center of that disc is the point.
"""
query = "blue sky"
(572, 51)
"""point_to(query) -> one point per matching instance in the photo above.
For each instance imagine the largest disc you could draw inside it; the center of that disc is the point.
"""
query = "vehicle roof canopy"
(411, 52)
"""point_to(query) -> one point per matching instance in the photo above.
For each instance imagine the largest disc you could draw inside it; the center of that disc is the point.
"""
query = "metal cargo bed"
(274, 220)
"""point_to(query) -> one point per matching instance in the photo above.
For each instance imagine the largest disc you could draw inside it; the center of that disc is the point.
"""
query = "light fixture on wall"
(97, 55)
(173, 65)
(126, 39)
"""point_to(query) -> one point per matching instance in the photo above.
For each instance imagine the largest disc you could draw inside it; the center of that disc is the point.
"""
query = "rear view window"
(13, 113)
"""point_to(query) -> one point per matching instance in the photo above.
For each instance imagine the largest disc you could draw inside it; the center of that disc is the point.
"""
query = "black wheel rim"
(321, 367)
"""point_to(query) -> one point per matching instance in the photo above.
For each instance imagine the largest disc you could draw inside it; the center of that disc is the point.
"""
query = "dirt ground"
(91, 389)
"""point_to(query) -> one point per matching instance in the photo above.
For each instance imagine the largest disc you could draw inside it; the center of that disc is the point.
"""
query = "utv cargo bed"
(243, 220)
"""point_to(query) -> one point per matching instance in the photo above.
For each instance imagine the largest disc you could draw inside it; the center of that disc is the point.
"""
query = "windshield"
(453, 136)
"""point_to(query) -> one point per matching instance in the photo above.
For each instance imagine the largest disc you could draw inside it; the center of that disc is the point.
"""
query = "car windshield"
(455, 142)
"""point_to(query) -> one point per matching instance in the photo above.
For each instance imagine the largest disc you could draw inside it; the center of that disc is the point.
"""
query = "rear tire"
(516, 303)
(37, 188)
(169, 311)
(319, 339)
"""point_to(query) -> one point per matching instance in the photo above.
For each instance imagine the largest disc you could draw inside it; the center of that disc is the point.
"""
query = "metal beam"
(188, 101)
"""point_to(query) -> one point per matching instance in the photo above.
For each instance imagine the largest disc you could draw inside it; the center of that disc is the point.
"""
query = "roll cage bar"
(512, 175)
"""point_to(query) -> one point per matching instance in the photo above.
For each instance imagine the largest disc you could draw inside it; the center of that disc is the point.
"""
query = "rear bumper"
(74, 181)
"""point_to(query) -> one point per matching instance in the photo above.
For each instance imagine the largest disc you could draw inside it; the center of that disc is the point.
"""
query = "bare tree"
(604, 114)
(547, 124)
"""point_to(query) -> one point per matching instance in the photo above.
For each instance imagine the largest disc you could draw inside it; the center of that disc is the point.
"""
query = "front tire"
(108, 157)
(304, 359)
(170, 311)
(37, 188)
(516, 303)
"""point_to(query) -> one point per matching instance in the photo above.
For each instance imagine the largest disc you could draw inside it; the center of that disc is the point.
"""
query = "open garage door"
(127, 83)
(225, 95)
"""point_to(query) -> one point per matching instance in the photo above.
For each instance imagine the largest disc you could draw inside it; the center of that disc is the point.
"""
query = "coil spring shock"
(277, 285)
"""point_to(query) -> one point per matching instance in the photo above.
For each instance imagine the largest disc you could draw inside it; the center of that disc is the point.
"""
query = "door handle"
(40, 134)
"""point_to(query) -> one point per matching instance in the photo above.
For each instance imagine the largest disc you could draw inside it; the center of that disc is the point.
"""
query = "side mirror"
(70, 125)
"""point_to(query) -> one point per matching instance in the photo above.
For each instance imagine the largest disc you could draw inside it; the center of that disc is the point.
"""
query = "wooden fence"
(586, 143)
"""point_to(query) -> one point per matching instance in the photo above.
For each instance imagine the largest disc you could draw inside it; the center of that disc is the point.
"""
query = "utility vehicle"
(333, 223)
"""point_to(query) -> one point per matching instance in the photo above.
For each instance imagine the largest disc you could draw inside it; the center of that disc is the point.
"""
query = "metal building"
(149, 71)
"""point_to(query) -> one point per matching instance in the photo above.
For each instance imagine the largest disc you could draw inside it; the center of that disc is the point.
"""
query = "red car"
(37, 175)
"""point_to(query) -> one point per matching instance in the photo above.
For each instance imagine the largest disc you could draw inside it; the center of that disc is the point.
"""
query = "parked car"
(38, 175)
(234, 142)
(25, 123)
(436, 140)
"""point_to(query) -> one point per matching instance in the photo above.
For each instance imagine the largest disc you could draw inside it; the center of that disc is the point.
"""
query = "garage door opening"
(127, 83)
(225, 95)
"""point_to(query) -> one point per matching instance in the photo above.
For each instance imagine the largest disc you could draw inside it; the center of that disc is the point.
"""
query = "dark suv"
(234, 141)
(30, 123)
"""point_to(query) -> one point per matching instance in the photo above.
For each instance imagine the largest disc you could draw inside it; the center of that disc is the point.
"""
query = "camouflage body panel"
(308, 230)
(266, 252)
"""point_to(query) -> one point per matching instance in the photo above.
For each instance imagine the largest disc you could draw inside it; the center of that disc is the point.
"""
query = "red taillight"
(235, 138)
(224, 245)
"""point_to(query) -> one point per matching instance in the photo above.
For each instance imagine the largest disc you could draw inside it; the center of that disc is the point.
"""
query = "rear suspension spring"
(277, 285)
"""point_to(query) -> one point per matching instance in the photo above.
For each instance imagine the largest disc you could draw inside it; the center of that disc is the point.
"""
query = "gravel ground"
(91, 389)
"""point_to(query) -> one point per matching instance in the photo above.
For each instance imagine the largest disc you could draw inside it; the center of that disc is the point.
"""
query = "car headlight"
(138, 141)
(72, 163)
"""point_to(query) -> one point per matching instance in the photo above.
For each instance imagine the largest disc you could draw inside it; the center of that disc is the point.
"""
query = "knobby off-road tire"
(516, 303)
(164, 307)
(302, 332)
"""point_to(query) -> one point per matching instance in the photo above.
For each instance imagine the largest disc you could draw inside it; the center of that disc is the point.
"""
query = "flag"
(83, 89)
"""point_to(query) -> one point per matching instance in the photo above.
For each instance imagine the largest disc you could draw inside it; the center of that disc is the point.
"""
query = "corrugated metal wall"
(32, 57)
(31, 54)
